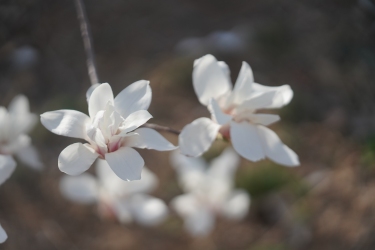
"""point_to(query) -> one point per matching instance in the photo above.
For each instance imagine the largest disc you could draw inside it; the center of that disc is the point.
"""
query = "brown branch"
(161, 128)
(87, 41)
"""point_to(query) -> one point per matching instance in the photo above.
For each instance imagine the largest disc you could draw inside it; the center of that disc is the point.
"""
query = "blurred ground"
(324, 50)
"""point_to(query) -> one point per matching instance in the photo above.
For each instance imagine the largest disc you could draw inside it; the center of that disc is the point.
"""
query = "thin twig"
(87, 41)
(161, 128)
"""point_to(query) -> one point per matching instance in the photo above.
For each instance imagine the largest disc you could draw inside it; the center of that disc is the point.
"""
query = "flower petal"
(137, 96)
(263, 119)
(243, 88)
(90, 90)
(76, 158)
(246, 141)
(3, 235)
(217, 114)
(197, 137)
(7, 167)
(200, 223)
(120, 188)
(64, 122)
(209, 79)
(29, 156)
(150, 139)
(259, 101)
(81, 189)
(147, 210)
(99, 98)
(126, 163)
(237, 205)
(134, 120)
(22, 120)
(275, 149)
(283, 96)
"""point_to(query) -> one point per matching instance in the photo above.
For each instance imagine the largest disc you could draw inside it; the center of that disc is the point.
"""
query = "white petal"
(76, 159)
(7, 167)
(209, 79)
(185, 204)
(243, 87)
(134, 120)
(237, 205)
(81, 189)
(3, 235)
(260, 101)
(284, 94)
(147, 210)
(70, 123)
(225, 165)
(246, 141)
(90, 90)
(150, 139)
(16, 144)
(263, 119)
(120, 188)
(23, 120)
(137, 96)
(225, 69)
(29, 156)
(197, 137)
(217, 114)
(99, 99)
(275, 149)
(126, 163)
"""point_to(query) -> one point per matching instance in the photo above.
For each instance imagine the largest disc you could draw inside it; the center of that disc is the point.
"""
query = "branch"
(161, 128)
(87, 41)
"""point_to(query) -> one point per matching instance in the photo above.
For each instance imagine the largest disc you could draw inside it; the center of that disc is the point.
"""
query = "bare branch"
(161, 128)
(87, 41)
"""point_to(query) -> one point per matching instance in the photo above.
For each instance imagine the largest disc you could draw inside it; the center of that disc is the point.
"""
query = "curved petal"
(90, 90)
(246, 141)
(134, 120)
(237, 205)
(81, 189)
(120, 188)
(209, 79)
(243, 88)
(76, 158)
(29, 156)
(283, 96)
(137, 96)
(147, 210)
(126, 163)
(263, 119)
(150, 139)
(275, 149)
(7, 167)
(217, 114)
(3, 235)
(197, 137)
(259, 101)
(65, 122)
(99, 98)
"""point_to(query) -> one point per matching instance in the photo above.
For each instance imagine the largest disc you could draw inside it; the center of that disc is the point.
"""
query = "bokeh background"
(325, 50)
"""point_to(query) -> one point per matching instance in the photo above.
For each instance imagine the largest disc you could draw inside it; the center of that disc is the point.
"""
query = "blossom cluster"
(115, 126)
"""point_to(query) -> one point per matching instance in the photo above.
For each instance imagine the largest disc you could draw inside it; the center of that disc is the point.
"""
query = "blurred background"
(324, 50)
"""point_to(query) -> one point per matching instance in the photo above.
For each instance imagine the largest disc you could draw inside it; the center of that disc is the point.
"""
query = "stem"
(87, 41)
(161, 128)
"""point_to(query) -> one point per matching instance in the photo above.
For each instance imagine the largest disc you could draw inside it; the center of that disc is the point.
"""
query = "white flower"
(7, 167)
(128, 201)
(111, 131)
(234, 114)
(15, 123)
(209, 191)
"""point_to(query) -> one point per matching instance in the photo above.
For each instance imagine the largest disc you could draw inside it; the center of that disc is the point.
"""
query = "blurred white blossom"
(111, 130)
(7, 167)
(233, 113)
(209, 191)
(15, 123)
(127, 201)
